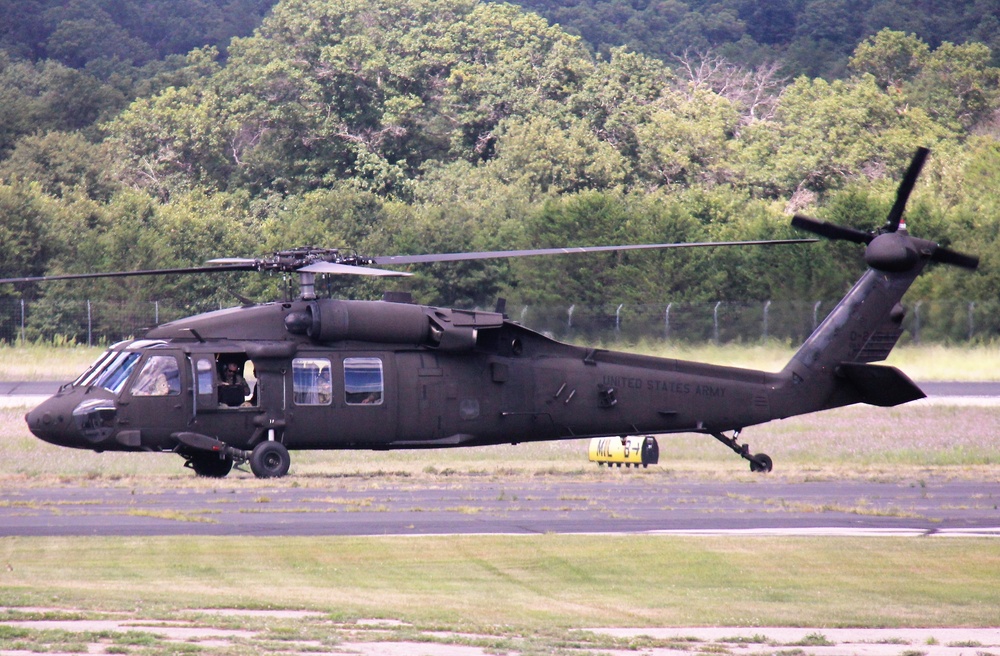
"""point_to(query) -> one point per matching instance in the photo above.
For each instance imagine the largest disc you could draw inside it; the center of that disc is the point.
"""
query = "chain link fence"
(95, 322)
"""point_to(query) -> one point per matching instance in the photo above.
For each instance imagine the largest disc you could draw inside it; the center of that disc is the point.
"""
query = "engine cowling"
(330, 320)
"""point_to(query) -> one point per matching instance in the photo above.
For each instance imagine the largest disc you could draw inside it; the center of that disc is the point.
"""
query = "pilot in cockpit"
(233, 387)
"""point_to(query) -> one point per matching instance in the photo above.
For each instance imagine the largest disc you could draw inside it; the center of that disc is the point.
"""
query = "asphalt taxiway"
(494, 505)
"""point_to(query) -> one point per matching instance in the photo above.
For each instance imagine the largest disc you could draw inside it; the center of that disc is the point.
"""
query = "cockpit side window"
(160, 376)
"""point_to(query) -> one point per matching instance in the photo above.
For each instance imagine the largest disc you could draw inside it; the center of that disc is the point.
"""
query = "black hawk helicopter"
(347, 374)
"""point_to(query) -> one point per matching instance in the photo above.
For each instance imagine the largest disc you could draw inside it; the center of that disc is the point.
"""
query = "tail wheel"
(270, 460)
(760, 462)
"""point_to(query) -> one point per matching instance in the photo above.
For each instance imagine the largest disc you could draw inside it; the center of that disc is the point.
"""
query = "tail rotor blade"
(948, 256)
(905, 188)
(831, 230)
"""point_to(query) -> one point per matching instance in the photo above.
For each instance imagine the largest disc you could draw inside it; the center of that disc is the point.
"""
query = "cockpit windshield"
(88, 376)
(116, 372)
(112, 369)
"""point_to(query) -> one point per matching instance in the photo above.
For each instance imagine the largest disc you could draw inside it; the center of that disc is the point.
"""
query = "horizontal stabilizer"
(878, 385)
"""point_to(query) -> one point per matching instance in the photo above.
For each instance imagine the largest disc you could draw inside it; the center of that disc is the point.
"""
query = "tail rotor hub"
(890, 248)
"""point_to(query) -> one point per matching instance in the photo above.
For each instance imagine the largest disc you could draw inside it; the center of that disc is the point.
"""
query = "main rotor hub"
(303, 256)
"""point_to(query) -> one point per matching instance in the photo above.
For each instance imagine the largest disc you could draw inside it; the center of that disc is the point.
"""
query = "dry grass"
(932, 362)
(35, 362)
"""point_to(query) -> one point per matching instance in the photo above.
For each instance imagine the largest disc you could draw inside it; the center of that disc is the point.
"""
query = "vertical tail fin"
(831, 368)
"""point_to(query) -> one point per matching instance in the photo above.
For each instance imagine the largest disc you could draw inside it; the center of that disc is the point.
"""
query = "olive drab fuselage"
(436, 378)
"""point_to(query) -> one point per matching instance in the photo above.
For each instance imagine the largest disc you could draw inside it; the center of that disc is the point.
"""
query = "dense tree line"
(810, 37)
(410, 126)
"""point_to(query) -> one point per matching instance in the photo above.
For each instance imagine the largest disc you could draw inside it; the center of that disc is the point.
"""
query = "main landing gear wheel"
(210, 465)
(270, 460)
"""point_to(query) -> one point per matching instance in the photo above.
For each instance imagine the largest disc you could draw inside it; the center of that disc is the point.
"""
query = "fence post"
(972, 320)
(715, 323)
(156, 313)
(916, 322)
(22, 322)
(569, 316)
(90, 325)
(666, 322)
(767, 307)
(816, 314)
(618, 319)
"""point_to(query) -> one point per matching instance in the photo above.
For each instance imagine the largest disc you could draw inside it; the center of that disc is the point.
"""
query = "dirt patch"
(312, 632)
(823, 642)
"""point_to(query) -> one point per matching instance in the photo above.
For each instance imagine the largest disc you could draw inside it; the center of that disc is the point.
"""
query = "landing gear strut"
(759, 462)
(213, 458)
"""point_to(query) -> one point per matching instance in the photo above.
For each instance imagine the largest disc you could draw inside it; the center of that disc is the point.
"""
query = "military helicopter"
(248, 384)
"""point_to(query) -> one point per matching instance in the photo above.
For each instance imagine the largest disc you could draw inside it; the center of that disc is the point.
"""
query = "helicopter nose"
(68, 421)
(51, 423)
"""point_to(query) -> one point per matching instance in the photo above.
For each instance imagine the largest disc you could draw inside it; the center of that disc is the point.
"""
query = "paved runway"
(471, 505)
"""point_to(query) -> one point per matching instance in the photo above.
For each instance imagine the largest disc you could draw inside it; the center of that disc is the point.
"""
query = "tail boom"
(830, 370)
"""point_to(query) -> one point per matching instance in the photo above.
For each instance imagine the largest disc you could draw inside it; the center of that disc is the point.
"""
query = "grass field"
(524, 594)
(513, 594)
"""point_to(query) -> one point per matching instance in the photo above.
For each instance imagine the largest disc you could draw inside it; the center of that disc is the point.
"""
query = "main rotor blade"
(248, 261)
(486, 255)
(905, 188)
(349, 270)
(124, 274)
(248, 264)
(831, 230)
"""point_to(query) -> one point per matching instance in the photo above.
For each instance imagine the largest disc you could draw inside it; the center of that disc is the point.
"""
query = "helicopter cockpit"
(139, 392)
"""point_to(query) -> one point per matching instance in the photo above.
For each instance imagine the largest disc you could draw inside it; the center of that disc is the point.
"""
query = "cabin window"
(160, 376)
(311, 382)
(363, 381)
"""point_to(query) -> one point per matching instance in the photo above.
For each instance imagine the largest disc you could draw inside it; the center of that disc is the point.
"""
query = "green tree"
(60, 162)
(957, 86)
(891, 57)
(686, 139)
(954, 84)
(352, 90)
(24, 213)
(49, 96)
(175, 141)
(824, 134)
(542, 154)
